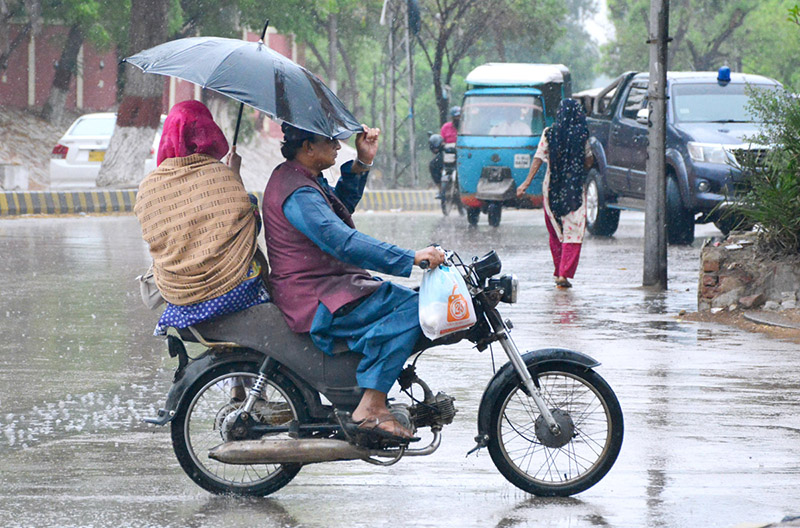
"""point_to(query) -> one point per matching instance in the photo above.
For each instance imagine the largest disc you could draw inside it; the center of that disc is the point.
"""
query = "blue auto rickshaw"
(505, 110)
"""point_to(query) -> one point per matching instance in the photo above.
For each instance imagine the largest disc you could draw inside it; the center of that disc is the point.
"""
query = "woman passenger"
(199, 223)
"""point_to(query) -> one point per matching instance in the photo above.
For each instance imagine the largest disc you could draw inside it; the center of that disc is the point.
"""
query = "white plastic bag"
(445, 305)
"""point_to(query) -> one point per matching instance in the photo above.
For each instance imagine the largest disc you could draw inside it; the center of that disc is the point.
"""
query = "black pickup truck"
(708, 124)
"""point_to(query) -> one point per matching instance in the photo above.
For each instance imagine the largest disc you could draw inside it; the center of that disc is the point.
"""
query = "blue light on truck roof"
(724, 75)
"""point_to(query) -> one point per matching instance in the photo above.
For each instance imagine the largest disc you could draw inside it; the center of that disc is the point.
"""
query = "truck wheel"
(680, 221)
(473, 213)
(600, 220)
(493, 211)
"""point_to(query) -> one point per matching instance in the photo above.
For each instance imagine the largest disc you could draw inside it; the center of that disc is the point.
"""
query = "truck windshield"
(502, 115)
(706, 103)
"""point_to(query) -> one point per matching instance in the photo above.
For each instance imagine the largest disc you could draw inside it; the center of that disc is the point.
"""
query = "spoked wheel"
(447, 199)
(201, 418)
(531, 457)
(457, 195)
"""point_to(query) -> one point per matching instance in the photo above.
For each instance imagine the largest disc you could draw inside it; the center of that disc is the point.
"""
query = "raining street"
(712, 413)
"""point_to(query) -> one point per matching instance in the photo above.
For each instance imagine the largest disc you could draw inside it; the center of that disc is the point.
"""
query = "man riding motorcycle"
(318, 273)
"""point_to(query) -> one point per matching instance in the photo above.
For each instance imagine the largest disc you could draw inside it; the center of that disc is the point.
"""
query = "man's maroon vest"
(301, 274)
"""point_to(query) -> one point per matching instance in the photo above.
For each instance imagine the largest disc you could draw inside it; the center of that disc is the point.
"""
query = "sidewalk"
(17, 203)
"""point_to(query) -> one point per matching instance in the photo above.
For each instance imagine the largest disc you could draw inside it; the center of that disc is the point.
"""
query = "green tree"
(29, 13)
(771, 43)
(338, 35)
(451, 29)
(87, 20)
(773, 199)
(706, 34)
(140, 109)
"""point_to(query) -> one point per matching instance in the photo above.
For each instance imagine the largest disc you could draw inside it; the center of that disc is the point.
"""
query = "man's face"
(456, 120)
(323, 152)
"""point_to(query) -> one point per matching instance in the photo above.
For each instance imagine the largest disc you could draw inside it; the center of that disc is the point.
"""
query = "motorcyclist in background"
(447, 134)
(449, 131)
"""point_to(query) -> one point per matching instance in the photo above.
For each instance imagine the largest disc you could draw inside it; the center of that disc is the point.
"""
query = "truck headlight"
(709, 153)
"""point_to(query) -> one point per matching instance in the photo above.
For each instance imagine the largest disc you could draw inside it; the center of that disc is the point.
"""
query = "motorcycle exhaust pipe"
(287, 451)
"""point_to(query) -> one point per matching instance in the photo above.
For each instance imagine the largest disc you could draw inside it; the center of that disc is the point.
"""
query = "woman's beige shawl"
(198, 221)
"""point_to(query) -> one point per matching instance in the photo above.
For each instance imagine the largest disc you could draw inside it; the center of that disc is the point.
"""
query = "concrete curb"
(18, 203)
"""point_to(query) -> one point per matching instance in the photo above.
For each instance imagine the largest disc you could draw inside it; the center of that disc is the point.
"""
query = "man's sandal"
(367, 433)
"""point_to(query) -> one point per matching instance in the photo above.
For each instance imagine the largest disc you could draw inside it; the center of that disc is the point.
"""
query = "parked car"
(76, 159)
(505, 110)
(708, 123)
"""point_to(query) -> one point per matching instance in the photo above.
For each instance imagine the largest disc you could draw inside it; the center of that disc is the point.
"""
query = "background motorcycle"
(552, 425)
(444, 173)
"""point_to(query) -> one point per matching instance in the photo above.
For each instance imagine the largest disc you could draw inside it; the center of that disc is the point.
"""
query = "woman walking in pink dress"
(565, 148)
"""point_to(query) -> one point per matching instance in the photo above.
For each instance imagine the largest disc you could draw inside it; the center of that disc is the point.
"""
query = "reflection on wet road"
(711, 412)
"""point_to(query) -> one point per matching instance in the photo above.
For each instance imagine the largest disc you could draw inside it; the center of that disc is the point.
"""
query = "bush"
(772, 198)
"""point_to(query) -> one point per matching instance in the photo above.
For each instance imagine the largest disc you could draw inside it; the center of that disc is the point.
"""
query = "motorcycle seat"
(263, 328)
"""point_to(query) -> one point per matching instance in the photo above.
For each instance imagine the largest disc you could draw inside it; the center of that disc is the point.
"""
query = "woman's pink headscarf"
(190, 129)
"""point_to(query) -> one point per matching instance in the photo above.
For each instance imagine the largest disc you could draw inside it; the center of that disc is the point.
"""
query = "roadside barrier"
(17, 203)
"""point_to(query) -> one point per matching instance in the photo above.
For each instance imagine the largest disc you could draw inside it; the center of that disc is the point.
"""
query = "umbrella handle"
(238, 122)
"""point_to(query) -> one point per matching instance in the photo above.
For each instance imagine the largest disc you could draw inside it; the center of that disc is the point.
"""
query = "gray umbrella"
(255, 75)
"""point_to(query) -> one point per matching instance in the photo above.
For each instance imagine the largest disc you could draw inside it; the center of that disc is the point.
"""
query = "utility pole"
(412, 136)
(400, 59)
(655, 225)
(393, 174)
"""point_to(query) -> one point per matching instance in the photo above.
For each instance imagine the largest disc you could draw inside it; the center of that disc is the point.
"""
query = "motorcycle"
(444, 173)
(551, 424)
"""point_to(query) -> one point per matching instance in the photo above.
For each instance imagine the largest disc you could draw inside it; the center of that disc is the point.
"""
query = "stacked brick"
(735, 276)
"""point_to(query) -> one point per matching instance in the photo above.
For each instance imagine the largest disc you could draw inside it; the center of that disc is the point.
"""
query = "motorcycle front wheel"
(532, 459)
(196, 429)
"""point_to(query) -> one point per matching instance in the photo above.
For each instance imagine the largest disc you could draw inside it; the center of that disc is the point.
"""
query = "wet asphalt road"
(712, 413)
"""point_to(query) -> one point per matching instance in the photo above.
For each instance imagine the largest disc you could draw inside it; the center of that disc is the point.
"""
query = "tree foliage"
(452, 30)
(773, 198)
(705, 33)
(753, 36)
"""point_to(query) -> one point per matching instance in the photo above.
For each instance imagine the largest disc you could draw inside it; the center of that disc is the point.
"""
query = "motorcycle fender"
(192, 372)
(532, 359)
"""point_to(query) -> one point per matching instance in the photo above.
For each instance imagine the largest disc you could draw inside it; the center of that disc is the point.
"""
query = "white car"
(76, 159)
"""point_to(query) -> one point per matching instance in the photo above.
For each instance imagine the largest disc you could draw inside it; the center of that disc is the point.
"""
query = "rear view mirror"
(643, 116)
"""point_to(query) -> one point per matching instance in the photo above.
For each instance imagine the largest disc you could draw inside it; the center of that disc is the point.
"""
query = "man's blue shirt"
(307, 210)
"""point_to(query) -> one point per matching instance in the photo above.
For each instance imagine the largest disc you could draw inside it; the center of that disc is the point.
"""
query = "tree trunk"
(332, 51)
(14, 44)
(53, 110)
(140, 110)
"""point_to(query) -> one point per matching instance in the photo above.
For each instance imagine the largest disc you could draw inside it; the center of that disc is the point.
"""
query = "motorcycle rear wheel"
(518, 451)
(457, 195)
(195, 430)
(446, 196)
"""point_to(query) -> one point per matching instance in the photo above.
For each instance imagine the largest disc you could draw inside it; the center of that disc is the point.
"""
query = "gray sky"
(600, 28)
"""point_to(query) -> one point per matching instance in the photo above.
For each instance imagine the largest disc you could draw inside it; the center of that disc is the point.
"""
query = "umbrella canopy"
(255, 75)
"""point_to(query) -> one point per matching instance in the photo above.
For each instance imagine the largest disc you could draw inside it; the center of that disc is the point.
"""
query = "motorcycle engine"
(438, 410)
(402, 413)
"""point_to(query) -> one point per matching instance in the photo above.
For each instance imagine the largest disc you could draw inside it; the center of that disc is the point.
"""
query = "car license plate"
(97, 155)
(522, 161)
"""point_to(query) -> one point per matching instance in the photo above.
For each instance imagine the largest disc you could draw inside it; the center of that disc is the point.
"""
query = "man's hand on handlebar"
(432, 255)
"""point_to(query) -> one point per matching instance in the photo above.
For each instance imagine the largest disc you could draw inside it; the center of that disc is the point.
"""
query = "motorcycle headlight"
(508, 284)
(487, 265)
(709, 153)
